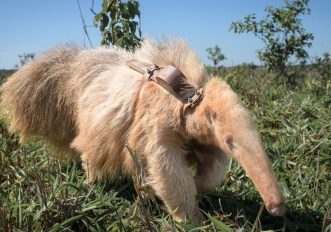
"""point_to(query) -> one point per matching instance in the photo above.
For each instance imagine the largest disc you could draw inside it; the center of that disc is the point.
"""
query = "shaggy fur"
(89, 104)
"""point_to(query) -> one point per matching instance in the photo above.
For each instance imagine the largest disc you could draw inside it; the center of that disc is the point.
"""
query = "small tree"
(282, 33)
(323, 66)
(215, 55)
(25, 58)
(118, 24)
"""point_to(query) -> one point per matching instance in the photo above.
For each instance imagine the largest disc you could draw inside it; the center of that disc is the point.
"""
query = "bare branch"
(92, 8)
(84, 25)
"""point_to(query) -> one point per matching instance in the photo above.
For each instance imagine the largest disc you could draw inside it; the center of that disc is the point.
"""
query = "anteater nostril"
(276, 209)
(280, 211)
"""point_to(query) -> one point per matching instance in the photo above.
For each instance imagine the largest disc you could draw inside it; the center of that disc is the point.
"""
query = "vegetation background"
(41, 192)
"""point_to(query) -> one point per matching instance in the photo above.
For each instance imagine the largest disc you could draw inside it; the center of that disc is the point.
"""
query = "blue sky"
(38, 25)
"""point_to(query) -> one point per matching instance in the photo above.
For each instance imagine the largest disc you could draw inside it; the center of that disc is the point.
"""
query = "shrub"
(118, 24)
(282, 33)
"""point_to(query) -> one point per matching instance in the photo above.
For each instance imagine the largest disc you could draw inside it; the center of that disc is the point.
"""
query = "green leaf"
(125, 11)
(104, 42)
(104, 22)
(56, 227)
(72, 220)
(105, 6)
(219, 225)
(133, 7)
(133, 26)
(96, 19)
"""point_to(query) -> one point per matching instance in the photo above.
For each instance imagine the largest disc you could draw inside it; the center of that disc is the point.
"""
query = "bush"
(282, 34)
(118, 24)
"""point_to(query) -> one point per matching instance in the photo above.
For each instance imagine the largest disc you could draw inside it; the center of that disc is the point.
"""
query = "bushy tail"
(34, 98)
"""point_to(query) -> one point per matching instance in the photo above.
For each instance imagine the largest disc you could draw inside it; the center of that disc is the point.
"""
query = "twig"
(40, 185)
(140, 184)
(326, 227)
(257, 220)
(84, 25)
(92, 8)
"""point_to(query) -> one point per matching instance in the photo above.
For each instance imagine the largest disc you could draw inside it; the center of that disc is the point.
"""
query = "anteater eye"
(229, 141)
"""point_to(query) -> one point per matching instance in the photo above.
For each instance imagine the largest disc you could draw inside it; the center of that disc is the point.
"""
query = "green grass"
(39, 192)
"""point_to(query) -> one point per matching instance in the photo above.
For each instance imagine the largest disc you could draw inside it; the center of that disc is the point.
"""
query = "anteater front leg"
(211, 170)
(172, 181)
(210, 163)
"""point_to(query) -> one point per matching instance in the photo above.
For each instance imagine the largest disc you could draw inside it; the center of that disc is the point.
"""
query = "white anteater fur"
(89, 104)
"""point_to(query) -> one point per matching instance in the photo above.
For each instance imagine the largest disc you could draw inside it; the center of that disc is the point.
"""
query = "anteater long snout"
(259, 169)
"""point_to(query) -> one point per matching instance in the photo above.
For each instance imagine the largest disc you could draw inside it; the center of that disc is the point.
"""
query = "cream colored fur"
(89, 104)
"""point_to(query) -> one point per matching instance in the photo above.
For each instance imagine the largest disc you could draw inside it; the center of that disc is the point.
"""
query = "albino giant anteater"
(91, 103)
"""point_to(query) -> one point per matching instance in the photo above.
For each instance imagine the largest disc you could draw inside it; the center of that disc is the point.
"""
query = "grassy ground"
(39, 192)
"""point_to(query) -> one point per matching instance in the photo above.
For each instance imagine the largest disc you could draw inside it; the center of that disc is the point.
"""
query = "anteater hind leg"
(88, 160)
(88, 166)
